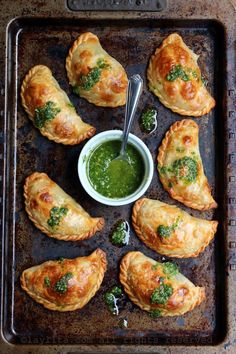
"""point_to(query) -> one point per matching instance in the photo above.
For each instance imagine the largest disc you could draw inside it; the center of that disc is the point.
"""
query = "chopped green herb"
(102, 64)
(178, 149)
(120, 235)
(45, 113)
(155, 313)
(61, 259)
(170, 268)
(112, 297)
(185, 169)
(161, 294)
(176, 72)
(148, 120)
(170, 184)
(162, 170)
(70, 104)
(47, 282)
(56, 214)
(166, 231)
(155, 266)
(86, 82)
(194, 74)
(61, 285)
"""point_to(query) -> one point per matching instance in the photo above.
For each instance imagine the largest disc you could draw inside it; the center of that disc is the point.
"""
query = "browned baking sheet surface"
(131, 42)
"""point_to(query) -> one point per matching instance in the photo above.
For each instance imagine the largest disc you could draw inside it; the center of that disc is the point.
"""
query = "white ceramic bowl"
(108, 136)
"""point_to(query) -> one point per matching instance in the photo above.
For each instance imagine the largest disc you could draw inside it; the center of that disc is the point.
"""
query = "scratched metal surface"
(131, 43)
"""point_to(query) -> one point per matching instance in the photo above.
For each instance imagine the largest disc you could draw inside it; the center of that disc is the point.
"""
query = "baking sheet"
(131, 43)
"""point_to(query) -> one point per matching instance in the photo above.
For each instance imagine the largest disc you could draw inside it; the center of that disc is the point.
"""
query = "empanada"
(180, 166)
(55, 213)
(94, 74)
(50, 109)
(175, 78)
(158, 287)
(171, 231)
(65, 284)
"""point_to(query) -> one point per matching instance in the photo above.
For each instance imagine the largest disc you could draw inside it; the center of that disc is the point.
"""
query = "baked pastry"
(171, 231)
(65, 284)
(94, 74)
(158, 288)
(55, 213)
(50, 109)
(180, 166)
(175, 78)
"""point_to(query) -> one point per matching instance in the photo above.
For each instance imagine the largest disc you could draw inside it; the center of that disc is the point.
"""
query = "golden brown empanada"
(158, 287)
(50, 109)
(94, 74)
(65, 284)
(171, 231)
(180, 166)
(175, 78)
(55, 213)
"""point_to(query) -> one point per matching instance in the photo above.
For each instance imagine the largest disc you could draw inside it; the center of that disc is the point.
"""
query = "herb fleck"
(170, 268)
(155, 313)
(45, 113)
(56, 214)
(70, 104)
(161, 294)
(204, 80)
(61, 285)
(47, 282)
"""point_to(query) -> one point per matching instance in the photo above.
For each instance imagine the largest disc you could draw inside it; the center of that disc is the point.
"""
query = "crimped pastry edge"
(90, 132)
(52, 306)
(124, 281)
(160, 157)
(98, 226)
(138, 231)
(211, 102)
(81, 39)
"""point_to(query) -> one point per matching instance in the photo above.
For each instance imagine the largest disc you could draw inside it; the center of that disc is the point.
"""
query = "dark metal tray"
(33, 41)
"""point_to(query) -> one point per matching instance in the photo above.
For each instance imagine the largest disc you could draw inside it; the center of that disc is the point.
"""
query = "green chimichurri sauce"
(112, 299)
(56, 214)
(149, 120)
(86, 82)
(166, 231)
(161, 294)
(121, 233)
(119, 178)
(45, 113)
(61, 285)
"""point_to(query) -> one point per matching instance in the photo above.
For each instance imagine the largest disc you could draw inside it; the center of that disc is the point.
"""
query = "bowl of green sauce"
(122, 181)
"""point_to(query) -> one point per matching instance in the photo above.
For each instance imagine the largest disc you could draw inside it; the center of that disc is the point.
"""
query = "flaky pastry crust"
(42, 194)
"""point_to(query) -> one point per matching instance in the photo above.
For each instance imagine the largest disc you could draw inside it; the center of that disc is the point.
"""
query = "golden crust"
(67, 127)
(41, 194)
(140, 278)
(83, 286)
(110, 90)
(191, 237)
(200, 198)
(189, 98)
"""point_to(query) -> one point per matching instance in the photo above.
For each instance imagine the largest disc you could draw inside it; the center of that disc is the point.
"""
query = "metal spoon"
(134, 91)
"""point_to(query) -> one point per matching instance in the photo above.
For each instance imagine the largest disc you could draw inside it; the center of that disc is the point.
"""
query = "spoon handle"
(134, 91)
